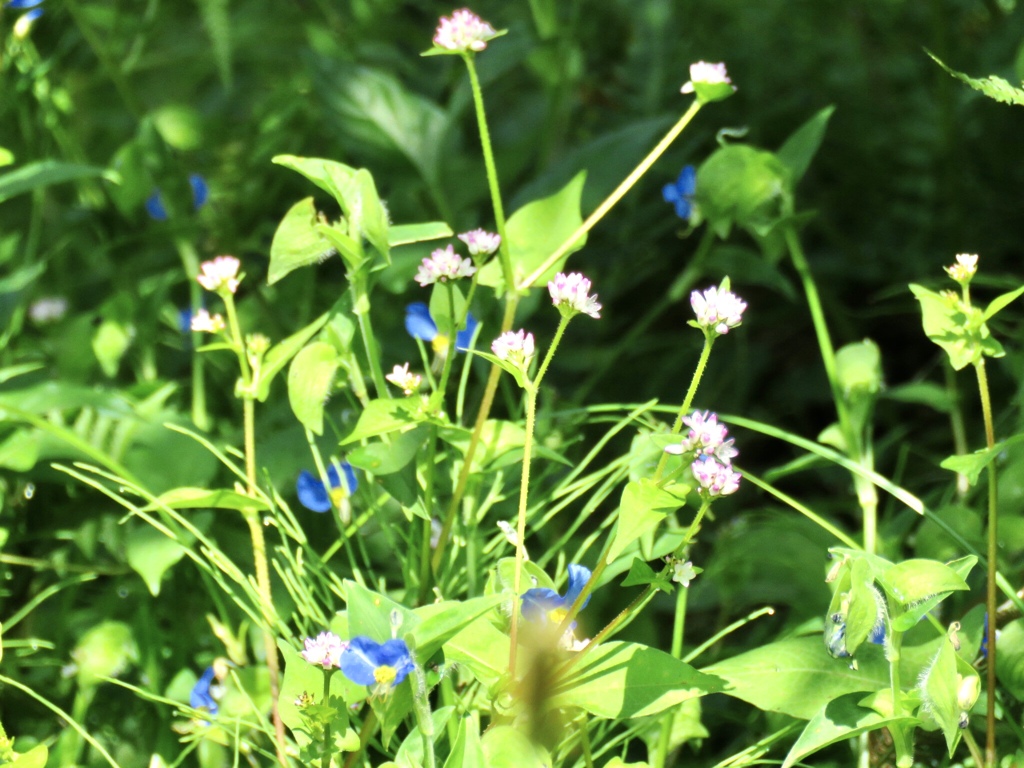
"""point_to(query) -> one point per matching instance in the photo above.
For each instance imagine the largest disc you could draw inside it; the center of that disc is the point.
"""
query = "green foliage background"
(914, 168)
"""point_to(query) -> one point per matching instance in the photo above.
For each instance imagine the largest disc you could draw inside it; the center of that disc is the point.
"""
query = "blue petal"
(539, 602)
(23, 3)
(185, 320)
(465, 337)
(579, 575)
(687, 182)
(670, 193)
(155, 207)
(363, 656)
(200, 190)
(683, 208)
(334, 479)
(312, 494)
(200, 696)
(418, 322)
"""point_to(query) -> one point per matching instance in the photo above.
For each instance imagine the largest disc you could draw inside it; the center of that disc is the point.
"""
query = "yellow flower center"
(440, 344)
(338, 495)
(384, 675)
(557, 615)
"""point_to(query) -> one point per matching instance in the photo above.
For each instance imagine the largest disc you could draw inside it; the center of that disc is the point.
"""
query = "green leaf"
(404, 234)
(943, 324)
(992, 86)
(481, 648)
(1001, 302)
(640, 574)
(180, 125)
(972, 464)
(514, 371)
(217, 21)
(19, 451)
(621, 680)
(642, 507)
(381, 458)
(45, 173)
(375, 106)
(467, 751)
(279, 355)
(536, 230)
(801, 147)
(381, 417)
(350, 249)
(912, 581)
(6, 157)
(1010, 659)
(508, 747)
(201, 498)
(106, 650)
(331, 176)
(837, 721)
(439, 622)
(369, 614)
(309, 383)
(34, 758)
(151, 554)
(110, 342)
(797, 677)
(941, 692)
(297, 242)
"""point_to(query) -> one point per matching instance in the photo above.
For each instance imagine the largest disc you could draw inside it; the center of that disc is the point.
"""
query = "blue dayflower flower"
(680, 193)
(983, 648)
(383, 665)
(200, 194)
(421, 325)
(200, 697)
(316, 497)
(544, 605)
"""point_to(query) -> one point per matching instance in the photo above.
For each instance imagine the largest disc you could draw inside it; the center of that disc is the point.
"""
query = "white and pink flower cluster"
(712, 450)
(704, 72)
(445, 264)
(515, 347)
(325, 650)
(220, 274)
(571, 294)
(463, 31)
(717, 310)
(965, 268)
(480, 242)
(404, 379)
(442, 265)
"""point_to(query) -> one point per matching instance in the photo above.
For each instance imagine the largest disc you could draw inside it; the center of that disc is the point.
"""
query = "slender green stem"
(361, 309)
(190, 263)
(698, 373)
(252, 519)
(524, 489)
(449, 358)
(678, 627)
(531, 417)
(328, 752)
(802, 509)
(490, 388)
(620, 191)
(421, 703)
(993, 554)
(504, 254)
(428, 505)
(901, 734)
